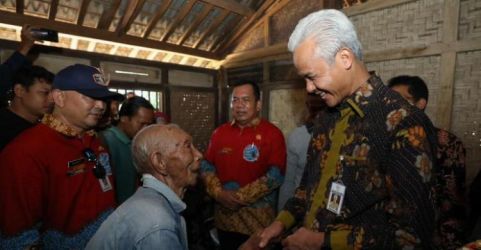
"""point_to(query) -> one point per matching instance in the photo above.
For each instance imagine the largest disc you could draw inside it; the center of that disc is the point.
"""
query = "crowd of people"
(84, 167)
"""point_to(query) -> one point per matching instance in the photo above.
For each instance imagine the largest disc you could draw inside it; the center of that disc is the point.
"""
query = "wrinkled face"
(327, 81)
(36, 99)
(183, 163)
(80, 111)
(132, 125)
(244, 105)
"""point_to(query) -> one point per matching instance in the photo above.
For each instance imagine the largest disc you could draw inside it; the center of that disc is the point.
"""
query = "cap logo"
(100, 78)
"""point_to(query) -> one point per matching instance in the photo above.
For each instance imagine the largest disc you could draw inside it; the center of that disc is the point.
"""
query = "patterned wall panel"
(194, 111)
(251, 72)
(466, 120)
(469, 19)
(286, 107)
(284, 21)
(282, 71)
(254, 40)
(411, 24)
(425, 67)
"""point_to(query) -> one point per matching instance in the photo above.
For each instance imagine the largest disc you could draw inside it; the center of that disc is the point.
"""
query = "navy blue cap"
(86, 80)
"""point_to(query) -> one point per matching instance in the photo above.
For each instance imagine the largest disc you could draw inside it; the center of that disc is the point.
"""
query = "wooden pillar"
(448, 64)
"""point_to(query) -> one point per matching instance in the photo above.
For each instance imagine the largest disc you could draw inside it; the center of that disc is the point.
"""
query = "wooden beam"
(436, 49)
(108, 16)
(198, 20)
(178, 18)
(158, 15)
(53, 10)
(231, 6)
(19, 7)
(255, 55)
(372, 5)
(267, 35)
(14, 19)
(231, 26)
(266, 72)
(83, 11)
(249, 24)
(131, 12)
(213, 26)
(448, 65)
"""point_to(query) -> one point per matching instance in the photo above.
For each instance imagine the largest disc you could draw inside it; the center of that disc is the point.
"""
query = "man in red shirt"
(55, 178)
(244, 167)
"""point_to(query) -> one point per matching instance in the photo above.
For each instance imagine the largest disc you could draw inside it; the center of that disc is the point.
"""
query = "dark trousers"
(231, 240)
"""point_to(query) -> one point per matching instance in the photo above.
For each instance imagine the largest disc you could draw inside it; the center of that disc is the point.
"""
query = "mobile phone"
(45, 34)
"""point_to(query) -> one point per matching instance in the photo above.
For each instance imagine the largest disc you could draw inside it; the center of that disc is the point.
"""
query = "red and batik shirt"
(48, 192)
(250, 161)
(382, 150)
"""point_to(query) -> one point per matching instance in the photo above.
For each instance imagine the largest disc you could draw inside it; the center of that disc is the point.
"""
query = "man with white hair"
(371, 149)
(151, 219)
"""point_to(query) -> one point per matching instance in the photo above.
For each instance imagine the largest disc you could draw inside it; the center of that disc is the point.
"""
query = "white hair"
(151, 138)
(331, 30)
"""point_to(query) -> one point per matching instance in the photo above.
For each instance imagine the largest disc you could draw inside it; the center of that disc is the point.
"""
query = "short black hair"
(132, 105)
(26, 76)
(255, 86)
(416, 86)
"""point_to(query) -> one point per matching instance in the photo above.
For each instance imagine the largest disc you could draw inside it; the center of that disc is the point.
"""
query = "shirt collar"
(359, 101)
(57, 125)
(151, 182)
(121, 135)
(253, 123)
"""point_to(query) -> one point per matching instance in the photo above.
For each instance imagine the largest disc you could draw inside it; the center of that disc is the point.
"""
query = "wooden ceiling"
(190, 32)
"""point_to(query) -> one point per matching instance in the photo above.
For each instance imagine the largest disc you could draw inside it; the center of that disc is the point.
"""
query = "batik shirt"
(451, 160)
(380, 148)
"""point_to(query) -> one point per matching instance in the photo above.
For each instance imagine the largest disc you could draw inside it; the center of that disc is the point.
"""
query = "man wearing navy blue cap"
(55, 178)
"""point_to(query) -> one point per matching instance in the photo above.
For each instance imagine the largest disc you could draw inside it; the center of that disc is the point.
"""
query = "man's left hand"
(304, 239)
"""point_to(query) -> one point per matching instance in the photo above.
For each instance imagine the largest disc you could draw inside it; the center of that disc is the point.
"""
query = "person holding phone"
(16, 61)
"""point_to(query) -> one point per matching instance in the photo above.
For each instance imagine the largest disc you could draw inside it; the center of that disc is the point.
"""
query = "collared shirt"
(382, 150)
(48, 191)
(150, 219)
(125, 174)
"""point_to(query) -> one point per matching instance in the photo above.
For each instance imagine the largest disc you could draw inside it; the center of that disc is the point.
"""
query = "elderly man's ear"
(158, 164)
(346, 58)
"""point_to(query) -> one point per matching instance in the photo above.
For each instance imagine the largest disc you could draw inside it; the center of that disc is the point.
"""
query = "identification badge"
(336, 197)
(251, 153)
(105, 184)
(104, 160)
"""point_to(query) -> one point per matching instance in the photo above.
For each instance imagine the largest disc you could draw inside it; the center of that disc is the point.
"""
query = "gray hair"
(149, 139)
(331, 30)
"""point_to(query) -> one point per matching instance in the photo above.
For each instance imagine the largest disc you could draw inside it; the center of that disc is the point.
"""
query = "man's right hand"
(270, 232)
(27, 40)
(230, 200)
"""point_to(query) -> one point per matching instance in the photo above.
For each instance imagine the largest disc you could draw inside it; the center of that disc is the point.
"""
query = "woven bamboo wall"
(194, 111)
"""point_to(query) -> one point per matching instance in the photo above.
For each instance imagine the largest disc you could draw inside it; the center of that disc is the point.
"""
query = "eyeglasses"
(99, 170)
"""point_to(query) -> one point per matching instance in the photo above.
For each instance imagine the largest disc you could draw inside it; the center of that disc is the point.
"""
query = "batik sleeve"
(274, 175)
